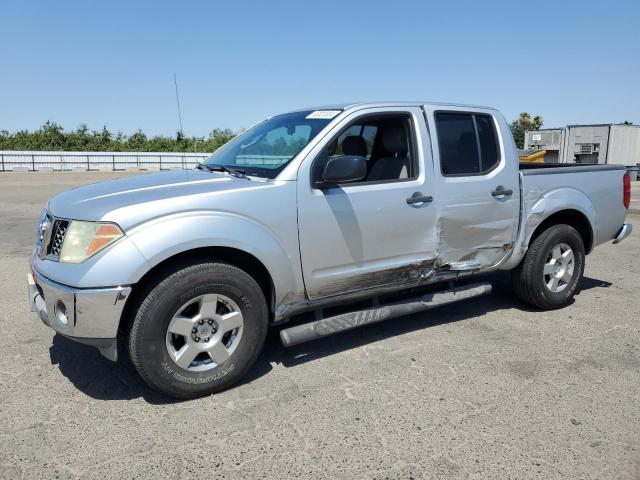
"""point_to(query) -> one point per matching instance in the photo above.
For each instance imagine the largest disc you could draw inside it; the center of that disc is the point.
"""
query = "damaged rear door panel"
(478, 191)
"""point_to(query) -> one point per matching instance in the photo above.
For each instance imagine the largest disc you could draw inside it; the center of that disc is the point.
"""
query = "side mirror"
(343, 169)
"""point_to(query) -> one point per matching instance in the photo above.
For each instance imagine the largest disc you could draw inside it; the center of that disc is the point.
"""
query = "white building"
(604, 143)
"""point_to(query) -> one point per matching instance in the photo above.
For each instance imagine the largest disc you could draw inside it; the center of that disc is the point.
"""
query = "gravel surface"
(483, 389)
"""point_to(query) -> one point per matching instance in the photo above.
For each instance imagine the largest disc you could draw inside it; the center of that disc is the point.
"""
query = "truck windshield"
(265, 149)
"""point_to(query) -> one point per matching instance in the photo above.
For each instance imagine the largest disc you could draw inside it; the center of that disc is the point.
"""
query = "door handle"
(417, 197)
(501, 191)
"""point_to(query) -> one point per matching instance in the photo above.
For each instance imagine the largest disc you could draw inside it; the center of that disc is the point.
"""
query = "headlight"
(43, 225)
(84, 239)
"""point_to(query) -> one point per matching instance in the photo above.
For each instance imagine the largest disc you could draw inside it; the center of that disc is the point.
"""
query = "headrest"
(394, 139)
(354, 145)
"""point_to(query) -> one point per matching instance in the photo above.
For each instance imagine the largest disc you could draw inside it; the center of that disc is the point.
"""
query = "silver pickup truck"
(359, 213)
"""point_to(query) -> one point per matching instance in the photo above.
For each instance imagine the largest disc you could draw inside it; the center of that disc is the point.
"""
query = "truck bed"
(566, 167)
(596, 189)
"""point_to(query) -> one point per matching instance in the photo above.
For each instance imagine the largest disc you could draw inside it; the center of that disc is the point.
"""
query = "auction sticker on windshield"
(324, 114)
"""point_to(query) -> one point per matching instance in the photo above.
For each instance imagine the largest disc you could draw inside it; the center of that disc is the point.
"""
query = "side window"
(385, 141)
(488, 139)
(468, 143)
(367, 132)
(458, 144)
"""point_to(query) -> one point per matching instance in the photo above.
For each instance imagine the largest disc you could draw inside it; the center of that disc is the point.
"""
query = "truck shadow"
(98, 377)
(101, 379)
(501, 298)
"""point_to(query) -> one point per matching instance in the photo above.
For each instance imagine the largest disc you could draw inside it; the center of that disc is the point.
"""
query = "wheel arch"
(571, 217)
(239, 258)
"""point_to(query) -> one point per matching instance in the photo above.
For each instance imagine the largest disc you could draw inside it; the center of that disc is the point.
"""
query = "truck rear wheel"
(549, 275)
(199, 330)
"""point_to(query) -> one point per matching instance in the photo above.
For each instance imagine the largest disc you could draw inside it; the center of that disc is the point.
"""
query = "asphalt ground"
(483, 389)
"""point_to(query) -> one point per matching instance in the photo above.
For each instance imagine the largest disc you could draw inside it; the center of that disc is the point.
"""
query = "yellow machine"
(534, 157)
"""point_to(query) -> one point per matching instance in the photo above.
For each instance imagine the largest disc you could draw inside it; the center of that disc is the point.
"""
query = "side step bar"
(348, 321)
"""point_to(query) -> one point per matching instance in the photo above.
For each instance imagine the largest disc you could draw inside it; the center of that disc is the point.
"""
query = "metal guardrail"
(12, 160)
(105, 161)
(115, 161)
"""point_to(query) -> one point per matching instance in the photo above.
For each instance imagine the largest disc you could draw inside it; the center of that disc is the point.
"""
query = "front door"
(367, 234)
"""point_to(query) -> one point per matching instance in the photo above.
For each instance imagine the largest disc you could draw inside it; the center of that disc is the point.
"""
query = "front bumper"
(623, 233)
(89, 316)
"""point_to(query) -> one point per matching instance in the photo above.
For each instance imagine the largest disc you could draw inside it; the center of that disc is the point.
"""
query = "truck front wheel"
(198, 330)
(550, 273)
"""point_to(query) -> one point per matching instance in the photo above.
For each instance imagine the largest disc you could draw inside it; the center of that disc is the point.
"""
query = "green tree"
(522, 124)
(217, 138)
(6, 140)
(79, 139)
(137, 142)
(51, 136)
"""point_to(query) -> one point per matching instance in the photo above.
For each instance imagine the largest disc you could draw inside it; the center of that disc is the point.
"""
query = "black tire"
(147, 344)
(528, 279)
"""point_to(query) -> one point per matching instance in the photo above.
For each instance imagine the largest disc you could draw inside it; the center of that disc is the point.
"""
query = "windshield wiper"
(223, 168)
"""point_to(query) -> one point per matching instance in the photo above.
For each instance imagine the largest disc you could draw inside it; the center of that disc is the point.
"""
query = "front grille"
(58, 233)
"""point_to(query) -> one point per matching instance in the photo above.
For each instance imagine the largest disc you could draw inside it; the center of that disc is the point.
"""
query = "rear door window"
(487, 138)
(467, 143)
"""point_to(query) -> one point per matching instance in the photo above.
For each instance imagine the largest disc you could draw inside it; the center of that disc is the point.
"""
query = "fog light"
(61, 313)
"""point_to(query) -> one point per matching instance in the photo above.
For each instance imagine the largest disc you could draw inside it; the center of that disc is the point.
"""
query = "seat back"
(395, 166)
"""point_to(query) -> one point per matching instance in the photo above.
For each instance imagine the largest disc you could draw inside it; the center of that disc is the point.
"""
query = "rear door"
(478, 192)
(362, 235)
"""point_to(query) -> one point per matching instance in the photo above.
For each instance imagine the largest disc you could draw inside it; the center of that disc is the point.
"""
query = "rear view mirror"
(343, 169)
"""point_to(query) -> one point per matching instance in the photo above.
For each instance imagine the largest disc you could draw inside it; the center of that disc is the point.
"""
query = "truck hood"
(133, 200)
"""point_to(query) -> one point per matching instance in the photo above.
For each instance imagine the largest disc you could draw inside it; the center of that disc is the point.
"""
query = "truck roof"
(398, 103)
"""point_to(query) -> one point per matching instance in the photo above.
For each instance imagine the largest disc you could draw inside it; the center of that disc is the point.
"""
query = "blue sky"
(113, 62)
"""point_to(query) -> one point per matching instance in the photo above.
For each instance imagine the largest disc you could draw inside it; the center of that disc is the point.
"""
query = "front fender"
(115, 266)
(165, 237)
